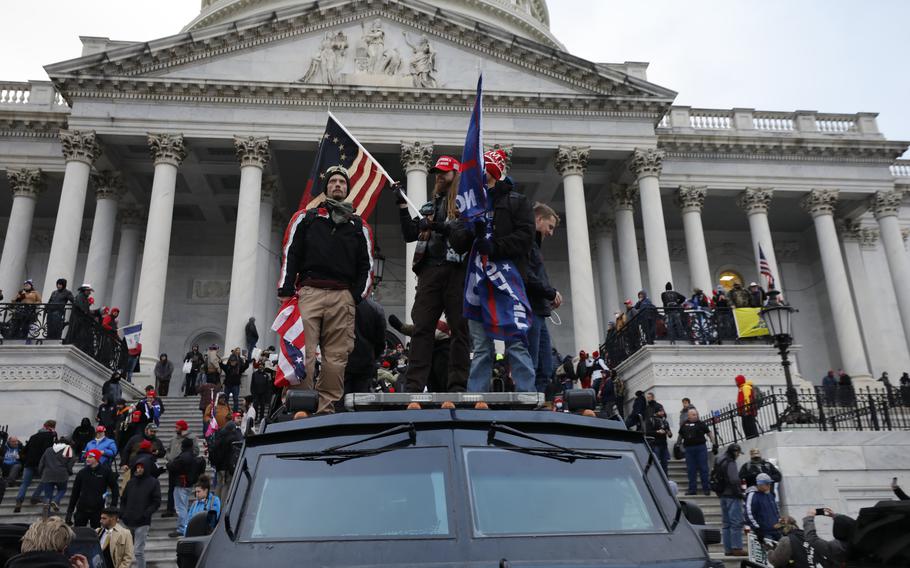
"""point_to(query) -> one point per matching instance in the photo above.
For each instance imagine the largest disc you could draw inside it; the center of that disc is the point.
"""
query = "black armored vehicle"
(505, 484)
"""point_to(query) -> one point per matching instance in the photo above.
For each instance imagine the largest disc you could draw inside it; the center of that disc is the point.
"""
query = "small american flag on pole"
(291, 360)
(764, 267)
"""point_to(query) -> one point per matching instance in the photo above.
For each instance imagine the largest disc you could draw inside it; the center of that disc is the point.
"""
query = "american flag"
(338, 148)
(291, 360)
(764, 267)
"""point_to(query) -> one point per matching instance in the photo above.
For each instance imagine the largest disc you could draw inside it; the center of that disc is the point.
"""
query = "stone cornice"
(646, 162)
(108, 185)
(416, 156)
(31, 124)
(886, 203)
(26, 182)
(572, 160)
(820, 202)
(691, 198)
(779, 148)
(624, 195)
(167, 148)
(252, 150)
(80, 146)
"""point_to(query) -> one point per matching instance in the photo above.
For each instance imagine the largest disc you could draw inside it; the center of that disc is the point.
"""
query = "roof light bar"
(400, 401)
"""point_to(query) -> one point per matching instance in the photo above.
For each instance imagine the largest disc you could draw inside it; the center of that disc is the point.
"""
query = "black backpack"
(718, 479)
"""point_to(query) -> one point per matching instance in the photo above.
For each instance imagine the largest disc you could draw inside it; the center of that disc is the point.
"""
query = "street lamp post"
(777, 319)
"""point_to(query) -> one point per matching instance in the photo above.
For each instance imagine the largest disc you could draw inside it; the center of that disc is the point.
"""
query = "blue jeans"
(233, 390)
(482, 363)
(27, 475)
(182, 506)
(662, 452)
(697, 463)
(541, 352)
(130, 367)
(731, 509)
(54, 491)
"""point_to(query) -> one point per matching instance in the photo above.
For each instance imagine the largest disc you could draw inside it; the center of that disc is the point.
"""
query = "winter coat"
(233, 370)
(36, 446)
(207, 394)
(537, 284)
(106, 446)
(222, 452)
(196, 359)
(740, 297)
(211, 503)
(89, 487)
(644, 303)
(151, 411)
(56, 465)
(732, 488)
(120, 546)
(222, 414)
(833, 552)
(111, 390)
(369, 339)
(750, 470)
(61, 297)
(175, 448)
(141, 498)
(81, 435)
(320, 250)
(261, 381)
(164, 370)
(251, 333)
(38, 560)
(186, 468)
(745, 398)
(672, 299)
(761, 512)
(131, 448)
(756, 297)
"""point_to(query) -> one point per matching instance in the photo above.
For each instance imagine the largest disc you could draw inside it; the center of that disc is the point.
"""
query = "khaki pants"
(328, 321)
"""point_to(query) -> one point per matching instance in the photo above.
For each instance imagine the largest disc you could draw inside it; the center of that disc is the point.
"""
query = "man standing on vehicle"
(440, 281)
(693, 433)
(327, 263)
(543, 297)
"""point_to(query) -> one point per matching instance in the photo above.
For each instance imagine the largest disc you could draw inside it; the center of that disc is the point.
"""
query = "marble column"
(604, 228)
(416, 157)
(265, 288)
(132, 223)
(855, 237)
(691, 199)
(821, 203)
(253, 153)
(646, 165)
(886, 206)
(168, 151)
(80, 149)
(571, 162)
(755, 202)
(108, 190)
(624, 197)
(26, 185)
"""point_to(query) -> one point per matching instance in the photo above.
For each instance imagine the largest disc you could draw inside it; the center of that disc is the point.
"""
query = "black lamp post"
(378, 269)
(777, 319)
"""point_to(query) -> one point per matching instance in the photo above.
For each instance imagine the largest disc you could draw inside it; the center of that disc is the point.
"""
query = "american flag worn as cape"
(291, 360)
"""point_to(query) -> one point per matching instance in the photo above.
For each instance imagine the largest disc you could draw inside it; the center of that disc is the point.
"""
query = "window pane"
(513, 493)
(395, 494)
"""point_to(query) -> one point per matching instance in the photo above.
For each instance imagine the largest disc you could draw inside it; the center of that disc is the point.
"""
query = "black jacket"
(131, 448)
(82, 435)
(223, 453)
(321, 250)
(434, 251)
(89, 487)
(38, 560)
(233, 374)
(732, 488)
(186, 468)
(36, 446)
(261, 382)
(537, 282)
(141, 498)
(672, 299)
(61, 297)
(750, 470)
(513, 228)
(369, 338)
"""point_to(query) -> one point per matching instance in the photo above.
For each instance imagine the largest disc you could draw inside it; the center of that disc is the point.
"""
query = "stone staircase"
(160, 549)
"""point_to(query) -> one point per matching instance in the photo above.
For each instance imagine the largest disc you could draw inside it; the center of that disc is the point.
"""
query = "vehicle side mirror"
(189, 551)
(198, 525)
(709, 535)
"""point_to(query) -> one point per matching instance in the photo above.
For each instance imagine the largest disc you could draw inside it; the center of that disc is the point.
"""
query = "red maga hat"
(445, 164)
(100, 429)
(182, 425)
(95, 454)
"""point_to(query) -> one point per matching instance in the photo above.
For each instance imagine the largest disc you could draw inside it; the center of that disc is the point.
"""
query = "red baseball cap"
(95, 454)
(238, 414)
(100, 429)
(182, 425)
(445, 164)
(145, 446)
(150, 393)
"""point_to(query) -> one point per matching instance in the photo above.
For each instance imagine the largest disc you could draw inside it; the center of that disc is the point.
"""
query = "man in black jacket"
(329, 258)
(34, 449)
(56, 309)
(369, 343)
(224, 451)
(731, 502)
(185, 470)
(89, 486)
(141, 498)
(512, 238)
(440, 281)
(543, 297)
(756, 465)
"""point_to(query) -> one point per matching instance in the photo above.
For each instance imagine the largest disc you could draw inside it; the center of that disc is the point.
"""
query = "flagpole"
(378, 165)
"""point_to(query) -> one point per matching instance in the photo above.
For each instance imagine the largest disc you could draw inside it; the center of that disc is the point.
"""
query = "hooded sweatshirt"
(745, 399)
(141, 498)
(56, 464)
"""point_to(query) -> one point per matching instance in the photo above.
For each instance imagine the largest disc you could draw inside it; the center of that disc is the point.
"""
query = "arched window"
(729, 277)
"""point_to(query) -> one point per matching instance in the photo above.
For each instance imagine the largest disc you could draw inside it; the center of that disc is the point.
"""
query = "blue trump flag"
(494, 290)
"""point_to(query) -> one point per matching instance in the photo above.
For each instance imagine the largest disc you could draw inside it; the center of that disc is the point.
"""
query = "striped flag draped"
(291, 361)
(764, 267)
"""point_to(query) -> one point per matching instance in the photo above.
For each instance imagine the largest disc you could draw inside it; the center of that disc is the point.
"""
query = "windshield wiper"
(338, 454)
(553, 451)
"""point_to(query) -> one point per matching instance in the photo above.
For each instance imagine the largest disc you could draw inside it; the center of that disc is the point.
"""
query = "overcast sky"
(826, 55)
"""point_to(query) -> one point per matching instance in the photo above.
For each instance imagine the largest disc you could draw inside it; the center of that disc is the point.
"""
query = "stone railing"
(901, 168)
(751, 122)
(33, 95)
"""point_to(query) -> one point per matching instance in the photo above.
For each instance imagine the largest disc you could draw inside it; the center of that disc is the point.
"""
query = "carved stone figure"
(423, 62)
(374, 42)
(328, 62)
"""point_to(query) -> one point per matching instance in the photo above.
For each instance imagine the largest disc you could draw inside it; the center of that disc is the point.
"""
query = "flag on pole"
(288, 325)
(764, 267)
(132, 334)
(338, 147)
(494, 290)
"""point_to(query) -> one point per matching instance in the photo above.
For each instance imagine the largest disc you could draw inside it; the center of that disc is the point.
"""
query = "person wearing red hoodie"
(746, 406)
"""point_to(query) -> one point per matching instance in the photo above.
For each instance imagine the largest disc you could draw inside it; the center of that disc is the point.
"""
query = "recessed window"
(728, 278)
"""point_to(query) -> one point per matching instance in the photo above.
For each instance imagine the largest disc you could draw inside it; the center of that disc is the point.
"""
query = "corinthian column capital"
(886, 203)
(132, 217)
(108, 185)
(647, 162)
(416, 156)
(755, 199)
(252, 151)
(624, 195)
(26, 182)
(820, 202)
(572, 160)
(80, 146)
(167, 148)
(602, 224)
(691, 198)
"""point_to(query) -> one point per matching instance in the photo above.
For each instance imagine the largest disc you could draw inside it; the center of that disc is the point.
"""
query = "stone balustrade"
(31, 95)
(901, 168)
(753, 122)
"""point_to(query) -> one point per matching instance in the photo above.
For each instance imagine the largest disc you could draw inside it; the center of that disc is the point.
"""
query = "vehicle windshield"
(399, 493)
(520, 494)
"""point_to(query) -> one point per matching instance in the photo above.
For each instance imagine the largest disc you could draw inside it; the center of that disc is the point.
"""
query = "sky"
(840, 56)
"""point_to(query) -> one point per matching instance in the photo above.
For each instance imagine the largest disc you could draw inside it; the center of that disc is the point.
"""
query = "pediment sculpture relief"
(327, 64)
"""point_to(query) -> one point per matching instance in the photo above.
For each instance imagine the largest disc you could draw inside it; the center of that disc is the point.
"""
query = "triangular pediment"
(405, 45)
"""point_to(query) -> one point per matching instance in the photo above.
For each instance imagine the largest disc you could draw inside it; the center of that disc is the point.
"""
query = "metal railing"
(675, 325)
(37, 323)
(832, 409)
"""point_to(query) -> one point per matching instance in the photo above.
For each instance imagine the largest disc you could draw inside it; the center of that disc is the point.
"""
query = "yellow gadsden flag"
(749, 323)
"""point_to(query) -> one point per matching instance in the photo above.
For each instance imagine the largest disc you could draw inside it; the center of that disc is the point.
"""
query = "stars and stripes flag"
(339, 148)
(764, 267)
(291, 360)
